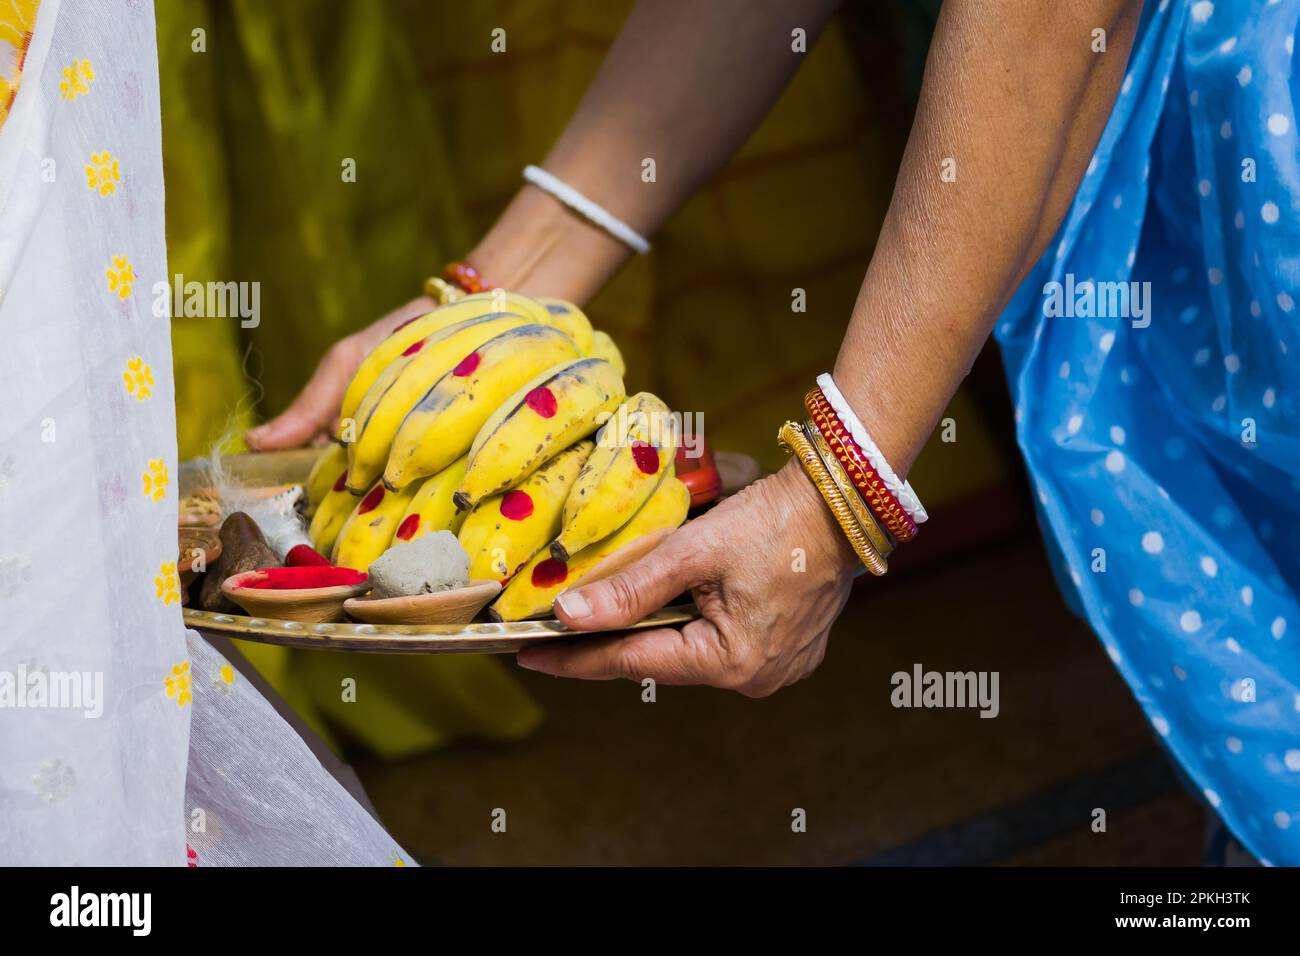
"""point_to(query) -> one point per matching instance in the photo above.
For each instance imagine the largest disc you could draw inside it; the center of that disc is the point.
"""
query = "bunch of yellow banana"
(634, 453)
(534, 589)
(602, 346)
(442, 425)
(405, 381)
(324, 475)
(431, 508)
(414, 330)
(369, 529)
(503, 532)
(330, 511)
(563, 404)
(479, 418)
(571, 320)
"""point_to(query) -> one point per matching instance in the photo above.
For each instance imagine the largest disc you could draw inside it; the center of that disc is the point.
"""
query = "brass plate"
(285, 467)
(485, 638)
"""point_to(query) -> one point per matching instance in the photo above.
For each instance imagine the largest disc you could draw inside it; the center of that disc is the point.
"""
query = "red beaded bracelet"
(882, 502)
(465, 277)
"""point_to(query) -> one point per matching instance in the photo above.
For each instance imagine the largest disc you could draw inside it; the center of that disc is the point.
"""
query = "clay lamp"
(453, 607)
(312, 595)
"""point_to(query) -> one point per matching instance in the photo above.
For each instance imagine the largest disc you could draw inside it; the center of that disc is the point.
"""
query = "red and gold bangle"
(881, 540)
(793, 440)
(882, 502)
(465, 277)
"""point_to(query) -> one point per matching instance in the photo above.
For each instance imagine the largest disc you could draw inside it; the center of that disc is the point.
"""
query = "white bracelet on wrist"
(900, 489)
(593, 212)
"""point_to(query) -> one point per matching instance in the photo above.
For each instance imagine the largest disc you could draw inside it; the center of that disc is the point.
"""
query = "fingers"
(697, 654)
(638, 590)
(688, 656)
(313, 411)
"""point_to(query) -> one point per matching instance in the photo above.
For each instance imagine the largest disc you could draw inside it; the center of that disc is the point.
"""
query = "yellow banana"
(324, 474)
(368, 532)
(634, 451)
(390, 373)
(431, 508)
(567, 317)
(393, 395)
(331, 513)
(504, 531)
(534, 589)
(602, 346)
(442, 425)
(546, 415)
(413, 330)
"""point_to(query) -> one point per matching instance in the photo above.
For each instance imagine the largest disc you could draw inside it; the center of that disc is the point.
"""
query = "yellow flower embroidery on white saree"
(121, 277)
(103, 173)
(223, 677)
(76, 79)
(177, 684)
(156, 479)
(167, 586)
(139, 378)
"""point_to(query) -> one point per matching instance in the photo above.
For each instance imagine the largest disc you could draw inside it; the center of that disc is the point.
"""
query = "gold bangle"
(793, 439)
(441, 291)
(880, 539)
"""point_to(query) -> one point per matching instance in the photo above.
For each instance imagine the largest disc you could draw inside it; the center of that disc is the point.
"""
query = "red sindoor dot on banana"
(542, 401)
(371, 501)
(406, 530)
(516, 505)
(549, 573)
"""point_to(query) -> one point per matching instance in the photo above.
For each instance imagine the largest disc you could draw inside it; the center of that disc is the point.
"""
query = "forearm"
(684, 85)
(1017, 99)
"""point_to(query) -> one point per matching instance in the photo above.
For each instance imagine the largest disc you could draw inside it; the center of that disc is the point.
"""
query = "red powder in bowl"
(304, 578)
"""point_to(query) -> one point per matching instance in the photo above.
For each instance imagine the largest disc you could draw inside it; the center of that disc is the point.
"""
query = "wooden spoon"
(309, 605)
(452, 607)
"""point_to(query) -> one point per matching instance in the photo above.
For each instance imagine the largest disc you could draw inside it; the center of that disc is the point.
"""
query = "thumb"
(635, 592)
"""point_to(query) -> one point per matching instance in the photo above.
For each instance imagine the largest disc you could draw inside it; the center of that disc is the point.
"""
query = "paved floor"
(705, 777)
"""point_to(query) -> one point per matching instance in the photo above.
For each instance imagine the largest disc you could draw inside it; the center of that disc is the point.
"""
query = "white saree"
(124, 739)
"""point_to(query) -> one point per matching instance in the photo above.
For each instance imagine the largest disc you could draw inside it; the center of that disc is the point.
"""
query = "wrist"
(540, 247)
(809, 517)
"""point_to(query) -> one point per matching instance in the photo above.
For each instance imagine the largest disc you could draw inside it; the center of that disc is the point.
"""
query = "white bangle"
(901, 489)
(589, 210)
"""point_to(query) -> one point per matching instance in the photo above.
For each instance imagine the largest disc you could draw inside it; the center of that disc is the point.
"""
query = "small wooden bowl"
(309, 605)
(454, 607)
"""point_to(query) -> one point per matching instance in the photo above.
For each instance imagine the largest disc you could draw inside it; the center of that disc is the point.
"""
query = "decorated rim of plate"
(339, 635)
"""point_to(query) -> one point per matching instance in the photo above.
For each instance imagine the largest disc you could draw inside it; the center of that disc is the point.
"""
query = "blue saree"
(1157, 401)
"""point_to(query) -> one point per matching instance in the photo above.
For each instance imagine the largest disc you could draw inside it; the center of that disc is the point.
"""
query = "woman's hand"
(310, 417)
(769, 570)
